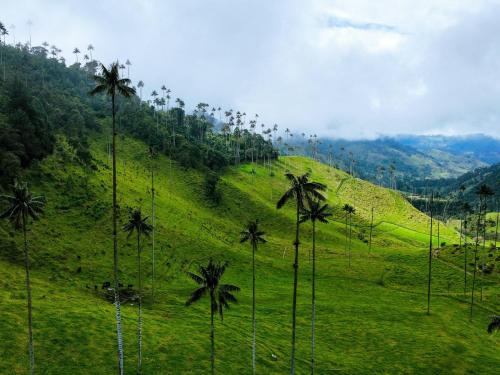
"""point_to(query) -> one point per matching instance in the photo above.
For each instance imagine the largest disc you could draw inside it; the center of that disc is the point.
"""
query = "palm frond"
(196, 295)
(289, 194)
(98, 89)
(126, 91)
(245, 236)
(229, 288)
(197, 279)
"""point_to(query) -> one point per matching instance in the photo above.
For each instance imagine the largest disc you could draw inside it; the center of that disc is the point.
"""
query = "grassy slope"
(370, 317)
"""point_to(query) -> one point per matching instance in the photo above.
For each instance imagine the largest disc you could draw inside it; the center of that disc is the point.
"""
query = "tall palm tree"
(152, 155)
(76, 51)
(484, 191)
(371, 232)
(300, 188)
(345, 208)
(140, 84)
(90, 48)
(109, 82)
(315, 210)
(137, 223)
(496, 226)
(476, 245)
(30, 25)
(128, 63)
(122, 68)
(3, 33)
(21, 206)
(209, 280)
(253, 235)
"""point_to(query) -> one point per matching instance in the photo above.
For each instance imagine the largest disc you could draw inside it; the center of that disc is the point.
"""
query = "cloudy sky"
(357, 68)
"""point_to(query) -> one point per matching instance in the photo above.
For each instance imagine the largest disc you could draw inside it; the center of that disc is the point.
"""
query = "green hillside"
(371, 317)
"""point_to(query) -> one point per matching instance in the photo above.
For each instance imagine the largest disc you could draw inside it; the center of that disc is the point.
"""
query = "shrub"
(211, 188)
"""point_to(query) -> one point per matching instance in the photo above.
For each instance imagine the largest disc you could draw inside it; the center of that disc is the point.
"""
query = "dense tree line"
(41, 97)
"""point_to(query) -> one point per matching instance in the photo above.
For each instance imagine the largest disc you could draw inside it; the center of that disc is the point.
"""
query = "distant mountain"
(477, 146)
(413, 157)
(470, 181)
(451, 188)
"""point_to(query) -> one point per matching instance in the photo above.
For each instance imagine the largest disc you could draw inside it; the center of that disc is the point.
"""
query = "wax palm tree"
(476, 245)
(300, 189)
(315, 211)
(76, 51)
(153, 155)
(484, 192)
(128, 63)
(345, 208)
(137, 223)
(496, 226)
(253, 235)
(30, 25)
(21, 206)
(122, 68)
(3, 33)
(140, 84)
(109, 82)
(221, 295)
(90, 48)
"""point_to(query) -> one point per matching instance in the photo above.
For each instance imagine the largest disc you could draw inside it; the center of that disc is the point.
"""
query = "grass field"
(371, 317)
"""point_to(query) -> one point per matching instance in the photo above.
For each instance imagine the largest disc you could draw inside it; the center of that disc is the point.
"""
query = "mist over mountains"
(408, 157)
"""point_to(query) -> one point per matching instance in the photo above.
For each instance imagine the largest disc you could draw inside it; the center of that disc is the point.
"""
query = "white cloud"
(348, 68)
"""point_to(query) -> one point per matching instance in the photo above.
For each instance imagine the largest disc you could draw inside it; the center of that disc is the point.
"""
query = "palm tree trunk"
(313, 293)
(254, 248)
(295, 281)
(139, 333)
(115, 250)
(153, 223)
(484, 247)
(346, 235)
(496, 232)
(430, 267)
(350, 237)
(28, 291)
(465, 230)
(460, 237)
(371, 232)
(439, 237)
(475, 260)
(212, 335)
(465, 270)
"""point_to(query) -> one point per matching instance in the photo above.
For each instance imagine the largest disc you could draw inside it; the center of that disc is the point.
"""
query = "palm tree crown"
(138, 224)
(209, 281)
(252, 234)
(484, 190)
(301, 188)
(22, 205)
(348, 209)
(109, 81)
(315, 211)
